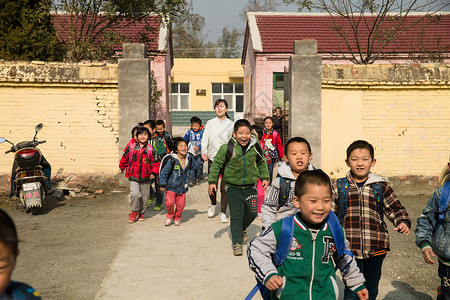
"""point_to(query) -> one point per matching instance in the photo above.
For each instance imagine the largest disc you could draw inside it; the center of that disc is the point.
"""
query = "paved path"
(191, 261)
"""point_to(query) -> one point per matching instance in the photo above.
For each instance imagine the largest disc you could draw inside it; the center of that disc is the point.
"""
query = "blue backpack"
(342, 185)
(443, 204)
(285, 242)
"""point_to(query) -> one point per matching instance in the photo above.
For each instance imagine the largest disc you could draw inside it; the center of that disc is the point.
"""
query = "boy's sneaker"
(177, 222)
(259, 217)
(223, 217)
(211, 211)
(244, 236)
(191, 183)
(141, 217)
(157, 207)
(151, 199)
(237, 249)
(132, 217)
(168, 222)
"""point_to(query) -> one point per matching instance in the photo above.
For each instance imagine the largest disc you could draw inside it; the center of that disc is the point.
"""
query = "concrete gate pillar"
(134, 93)
(304, 89)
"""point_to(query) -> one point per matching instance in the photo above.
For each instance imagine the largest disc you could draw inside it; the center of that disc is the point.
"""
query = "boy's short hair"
(360, 144)
(151, 123)
(8, 232)
(141, 130)
(259, 131)
(160, 122)
(242, 123)
(196, 119)
(175, 142)
(270, 118)
(316, 177)
(297, 139)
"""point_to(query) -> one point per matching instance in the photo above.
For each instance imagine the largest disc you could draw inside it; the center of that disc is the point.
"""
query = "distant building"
(269, 39)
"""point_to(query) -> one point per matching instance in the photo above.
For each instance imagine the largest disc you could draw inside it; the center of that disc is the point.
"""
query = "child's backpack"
(170, 159)
(342, 185)
(284, 245)
(443, 204)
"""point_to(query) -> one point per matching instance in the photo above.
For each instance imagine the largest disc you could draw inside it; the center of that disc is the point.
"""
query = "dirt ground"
(66, 251)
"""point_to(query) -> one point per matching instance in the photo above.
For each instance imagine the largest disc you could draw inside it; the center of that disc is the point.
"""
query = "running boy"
(361, 199)
(241, 173)
(138, 162)
(217, 132)
(9, 251)
(163, 134)
(298, 155)
(308, 271)
(432, 237)
(194, 139)
(174, 179)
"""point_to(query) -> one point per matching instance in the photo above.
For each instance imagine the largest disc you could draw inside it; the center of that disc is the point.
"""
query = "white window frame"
(178, 96)
(233, 95)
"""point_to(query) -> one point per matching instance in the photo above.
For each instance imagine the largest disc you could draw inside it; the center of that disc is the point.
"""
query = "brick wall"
(78, 105)
(402, 110)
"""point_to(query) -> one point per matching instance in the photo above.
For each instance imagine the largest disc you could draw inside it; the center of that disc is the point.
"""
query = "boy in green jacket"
(245, 165)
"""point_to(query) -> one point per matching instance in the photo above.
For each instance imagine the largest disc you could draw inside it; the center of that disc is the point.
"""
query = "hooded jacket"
(175, 177)
(426, 237)
(243, 169)
(364, 228)
(271, 210)
(138, 164)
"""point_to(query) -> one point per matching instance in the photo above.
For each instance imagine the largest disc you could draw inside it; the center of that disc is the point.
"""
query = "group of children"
(243, 156)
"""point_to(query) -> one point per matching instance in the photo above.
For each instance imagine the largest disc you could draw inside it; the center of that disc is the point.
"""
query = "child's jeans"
(444, 274)
(371, 269)
(157, 191)
(261, 194)
(270, 167)
(198, 173)
(139, 193)
(173, 199)
(242, 210)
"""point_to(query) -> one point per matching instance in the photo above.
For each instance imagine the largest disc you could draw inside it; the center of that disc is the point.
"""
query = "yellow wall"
(408, 126)
(201, 72)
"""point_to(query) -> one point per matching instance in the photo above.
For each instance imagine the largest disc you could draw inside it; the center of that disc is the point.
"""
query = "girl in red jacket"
(271, 139)
(137, 161)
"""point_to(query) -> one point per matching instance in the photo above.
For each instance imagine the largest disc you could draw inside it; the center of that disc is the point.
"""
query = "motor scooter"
(29, 183)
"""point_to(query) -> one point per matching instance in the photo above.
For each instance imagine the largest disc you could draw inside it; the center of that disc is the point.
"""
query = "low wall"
(78, 105)
(402, 110)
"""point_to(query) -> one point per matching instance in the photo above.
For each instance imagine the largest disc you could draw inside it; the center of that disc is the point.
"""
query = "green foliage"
(228, 43)
(26, 31)
(156, 93)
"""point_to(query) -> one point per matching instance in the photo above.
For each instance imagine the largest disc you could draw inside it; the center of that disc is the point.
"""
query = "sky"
(220, 13)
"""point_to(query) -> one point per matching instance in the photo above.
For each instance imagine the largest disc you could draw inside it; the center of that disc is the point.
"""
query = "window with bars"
(180, 96)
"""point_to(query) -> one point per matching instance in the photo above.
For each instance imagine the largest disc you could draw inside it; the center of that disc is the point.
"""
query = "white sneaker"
(211, 210)
(223, 218)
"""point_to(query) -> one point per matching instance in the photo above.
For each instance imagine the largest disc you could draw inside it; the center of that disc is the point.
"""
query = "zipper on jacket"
(313, 262)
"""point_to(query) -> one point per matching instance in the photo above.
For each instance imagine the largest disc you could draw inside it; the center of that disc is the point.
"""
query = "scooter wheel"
(35, 211)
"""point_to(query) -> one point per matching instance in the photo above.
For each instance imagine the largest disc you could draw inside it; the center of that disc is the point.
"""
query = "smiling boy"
(298, 155)
(361, 199)
(308, 271)
(241, 173)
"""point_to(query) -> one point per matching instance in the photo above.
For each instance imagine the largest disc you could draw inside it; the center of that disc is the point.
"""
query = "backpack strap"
(338, 237)
(443, 203)
(259, 152)
(131, 151)
(285, 188)
(377, 189)
(285, 242)
(230, 148)
(342, 186)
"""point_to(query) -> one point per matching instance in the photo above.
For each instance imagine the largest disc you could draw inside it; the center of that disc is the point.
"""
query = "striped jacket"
(363, 225)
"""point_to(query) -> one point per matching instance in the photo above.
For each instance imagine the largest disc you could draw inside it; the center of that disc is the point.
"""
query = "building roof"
(276, 32)
(148, 30)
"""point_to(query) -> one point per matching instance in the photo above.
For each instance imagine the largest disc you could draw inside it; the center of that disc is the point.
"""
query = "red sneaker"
(141, 217)
(132, 217)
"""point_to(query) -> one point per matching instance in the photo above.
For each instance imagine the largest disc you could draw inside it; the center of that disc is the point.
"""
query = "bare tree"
(89, 28)
(369, 27)
(258, 5)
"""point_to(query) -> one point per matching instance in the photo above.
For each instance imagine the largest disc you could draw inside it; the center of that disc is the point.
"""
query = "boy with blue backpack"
(433, 237)
(295, 257)
(194, 139)
(360, 201)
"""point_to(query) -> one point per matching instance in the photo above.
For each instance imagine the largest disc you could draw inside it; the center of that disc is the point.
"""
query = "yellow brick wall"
(409, 127)
(80, 118)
